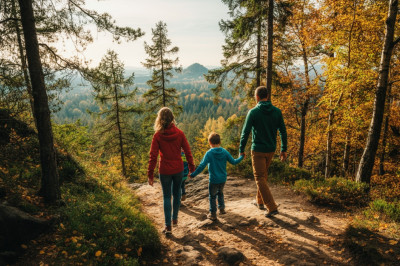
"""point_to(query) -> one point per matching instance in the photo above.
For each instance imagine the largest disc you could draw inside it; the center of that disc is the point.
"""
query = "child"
(185, 174)
(216, 159)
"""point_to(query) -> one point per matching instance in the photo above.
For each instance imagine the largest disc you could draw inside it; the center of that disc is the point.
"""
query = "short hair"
(262, 92)
(214, 138)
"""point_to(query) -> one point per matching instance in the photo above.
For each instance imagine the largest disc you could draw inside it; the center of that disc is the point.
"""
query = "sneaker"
(260, 206)
(174, 222)
(270, 214)
(183, 198)
(212, 216)
(222, 211)
(167, 230)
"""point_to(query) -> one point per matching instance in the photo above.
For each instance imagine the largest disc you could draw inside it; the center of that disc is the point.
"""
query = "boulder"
(230, 255)
(17, 227)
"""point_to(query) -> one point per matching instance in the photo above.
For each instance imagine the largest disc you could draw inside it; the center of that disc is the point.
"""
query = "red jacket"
(169, 144)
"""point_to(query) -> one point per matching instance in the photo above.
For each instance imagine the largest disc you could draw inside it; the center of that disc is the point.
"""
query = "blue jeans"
(171, 184)
(216, 191)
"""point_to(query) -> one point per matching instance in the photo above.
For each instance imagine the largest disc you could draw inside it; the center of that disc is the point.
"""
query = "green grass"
(101, 222)
(280, 172)
(389, 211)
(335, 191)
(105, 220)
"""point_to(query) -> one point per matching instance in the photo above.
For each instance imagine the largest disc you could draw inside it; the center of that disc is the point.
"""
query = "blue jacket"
(215, 159)
(185, 166)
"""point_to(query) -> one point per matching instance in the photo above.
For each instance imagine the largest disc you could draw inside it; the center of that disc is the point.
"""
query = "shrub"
(278, 172)
(335, 191)
(385, 187)
(388, 210)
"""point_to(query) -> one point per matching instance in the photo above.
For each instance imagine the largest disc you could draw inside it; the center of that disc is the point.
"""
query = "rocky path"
(301, 234)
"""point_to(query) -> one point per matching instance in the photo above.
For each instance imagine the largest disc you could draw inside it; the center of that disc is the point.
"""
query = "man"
(263, 121)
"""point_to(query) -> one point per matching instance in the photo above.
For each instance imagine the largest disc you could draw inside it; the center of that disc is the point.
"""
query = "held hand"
(151, 181)
(283, 156)
(244, 155)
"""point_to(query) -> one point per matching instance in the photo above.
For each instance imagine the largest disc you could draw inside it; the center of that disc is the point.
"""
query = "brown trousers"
(261, 162)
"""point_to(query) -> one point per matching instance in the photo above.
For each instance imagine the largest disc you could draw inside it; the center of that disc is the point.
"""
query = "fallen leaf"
(139, 251)
(24, 246)
(98, 253)
(393, 242)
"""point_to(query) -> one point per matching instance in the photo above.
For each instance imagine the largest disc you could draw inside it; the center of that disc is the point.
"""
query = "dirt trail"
(301, 234)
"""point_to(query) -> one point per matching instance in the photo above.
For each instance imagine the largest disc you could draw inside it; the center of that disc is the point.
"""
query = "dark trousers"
(216, 191)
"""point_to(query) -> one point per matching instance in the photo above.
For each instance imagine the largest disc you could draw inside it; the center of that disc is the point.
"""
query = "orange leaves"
(139, 251)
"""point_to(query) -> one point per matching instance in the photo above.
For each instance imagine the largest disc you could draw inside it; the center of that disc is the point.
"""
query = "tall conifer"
(163, 68)
(115, 95)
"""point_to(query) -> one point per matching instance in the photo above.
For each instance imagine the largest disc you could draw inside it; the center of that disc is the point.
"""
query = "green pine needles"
(163, 68)
(116, 96)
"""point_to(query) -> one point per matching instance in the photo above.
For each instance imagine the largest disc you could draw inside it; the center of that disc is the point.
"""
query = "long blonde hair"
(164, 118)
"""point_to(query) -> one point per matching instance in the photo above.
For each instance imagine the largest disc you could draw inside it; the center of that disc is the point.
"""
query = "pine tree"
(163, 68)
(54, 23)
(114, 93)
(243, 61)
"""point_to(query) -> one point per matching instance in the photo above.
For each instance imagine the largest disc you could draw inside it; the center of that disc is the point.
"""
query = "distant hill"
(195, 71)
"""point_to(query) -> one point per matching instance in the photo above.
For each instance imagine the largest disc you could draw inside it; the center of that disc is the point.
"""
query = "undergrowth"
(100, 221)
(335, 191)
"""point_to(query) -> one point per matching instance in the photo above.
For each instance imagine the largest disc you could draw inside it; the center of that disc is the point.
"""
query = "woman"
(168, 141)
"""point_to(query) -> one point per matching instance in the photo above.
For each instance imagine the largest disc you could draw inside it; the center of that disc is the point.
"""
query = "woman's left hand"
(150, 182)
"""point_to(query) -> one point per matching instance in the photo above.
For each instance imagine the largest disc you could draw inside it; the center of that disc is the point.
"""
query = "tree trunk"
(50, 187)
(329, 144)
(385, 134)
(304, 110)
(120, 139)
(382, 158)
(346, 153)
(258, 59)
(24, 67)
(368, 158)
(346, 156)
(270, 42)
(162, 76)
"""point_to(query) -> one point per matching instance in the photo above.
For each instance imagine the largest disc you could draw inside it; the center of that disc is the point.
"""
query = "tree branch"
(396, 41)
(9, 19)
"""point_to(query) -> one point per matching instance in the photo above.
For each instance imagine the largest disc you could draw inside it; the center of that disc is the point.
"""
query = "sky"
(192, 26)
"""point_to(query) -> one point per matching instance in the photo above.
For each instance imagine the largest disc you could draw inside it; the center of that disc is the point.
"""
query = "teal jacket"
(216, 159)
(185, 166)
(263, 121)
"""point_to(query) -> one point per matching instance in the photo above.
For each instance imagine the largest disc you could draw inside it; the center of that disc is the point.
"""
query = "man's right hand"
(283, 156)
(244, 155)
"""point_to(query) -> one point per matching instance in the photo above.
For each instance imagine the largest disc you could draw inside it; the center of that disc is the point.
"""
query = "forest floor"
(301, 234)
